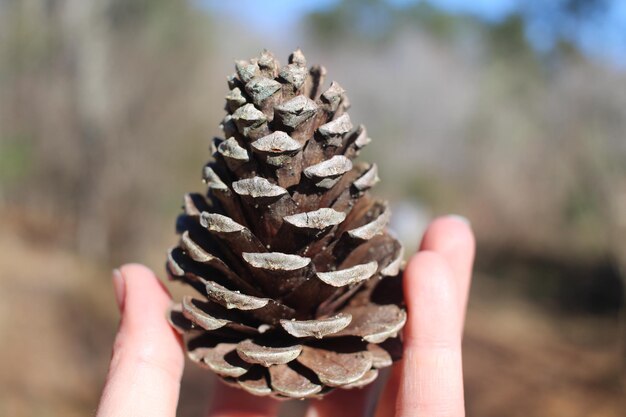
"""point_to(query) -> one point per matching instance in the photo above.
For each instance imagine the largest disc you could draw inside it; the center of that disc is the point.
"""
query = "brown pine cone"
(298, 277)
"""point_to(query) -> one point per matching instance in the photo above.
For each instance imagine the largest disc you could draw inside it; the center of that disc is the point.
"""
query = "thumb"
(147, 362)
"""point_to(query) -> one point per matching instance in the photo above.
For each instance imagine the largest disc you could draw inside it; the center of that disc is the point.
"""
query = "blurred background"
(509, 112)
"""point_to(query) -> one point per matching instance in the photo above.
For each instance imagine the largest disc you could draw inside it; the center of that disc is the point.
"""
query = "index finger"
(432, 376)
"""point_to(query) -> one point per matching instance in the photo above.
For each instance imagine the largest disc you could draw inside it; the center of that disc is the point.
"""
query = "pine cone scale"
(292, 381)
(267, 356)
(336, 369)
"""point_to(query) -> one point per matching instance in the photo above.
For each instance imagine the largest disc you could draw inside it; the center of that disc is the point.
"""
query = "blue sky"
(261, 14)
(605, 39)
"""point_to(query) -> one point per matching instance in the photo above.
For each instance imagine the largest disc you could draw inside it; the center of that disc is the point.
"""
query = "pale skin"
(148, 357)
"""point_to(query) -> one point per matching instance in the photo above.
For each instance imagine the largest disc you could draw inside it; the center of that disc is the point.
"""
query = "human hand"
(147, 362)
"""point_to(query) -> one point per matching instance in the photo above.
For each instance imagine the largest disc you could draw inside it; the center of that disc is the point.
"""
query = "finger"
(147, 362)
(346, 403)
(452, 237)
(432, 381)
(234, 402)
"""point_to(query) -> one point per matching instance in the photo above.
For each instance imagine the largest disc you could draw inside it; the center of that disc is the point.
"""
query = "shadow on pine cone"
(299, 278)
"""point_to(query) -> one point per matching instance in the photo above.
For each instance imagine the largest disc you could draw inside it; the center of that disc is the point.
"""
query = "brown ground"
(522, 361)
(58, 318)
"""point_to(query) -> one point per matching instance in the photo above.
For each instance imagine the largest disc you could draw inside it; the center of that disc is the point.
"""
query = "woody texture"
(297, 279)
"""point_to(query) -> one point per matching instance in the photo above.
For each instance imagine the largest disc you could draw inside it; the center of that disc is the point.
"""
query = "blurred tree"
(83, 83)
(368, 20)
(87, 38)
(561, 21)
(507, 40)
(374, 21)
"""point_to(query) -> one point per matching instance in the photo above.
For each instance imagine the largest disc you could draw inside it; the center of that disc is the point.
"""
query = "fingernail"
(119, 288)
(460, 218)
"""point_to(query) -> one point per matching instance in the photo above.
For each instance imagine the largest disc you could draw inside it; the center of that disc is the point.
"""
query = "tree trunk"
(87, 35)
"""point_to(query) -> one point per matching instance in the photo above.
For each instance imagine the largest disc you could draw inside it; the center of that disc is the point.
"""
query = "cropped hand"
(148, 357)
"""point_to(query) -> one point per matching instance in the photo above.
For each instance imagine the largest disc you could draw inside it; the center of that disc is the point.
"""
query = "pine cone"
(298, 275)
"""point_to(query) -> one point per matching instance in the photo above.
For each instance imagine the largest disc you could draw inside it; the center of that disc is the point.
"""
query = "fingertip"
(145, 304)
(142, 284)
(427, 272)
(448, 232)
(460, 218)
(136, 269)
(138, 272)
(144, 323)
